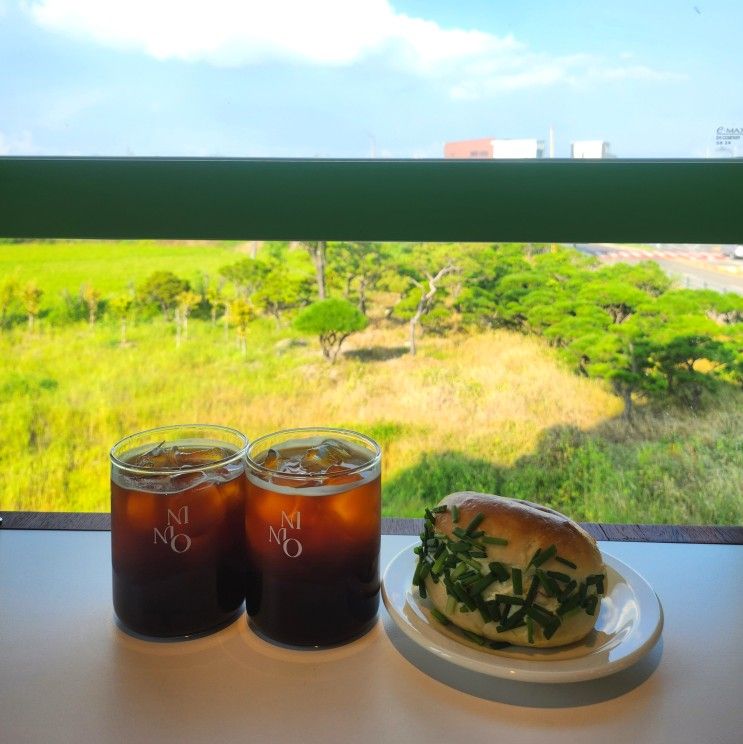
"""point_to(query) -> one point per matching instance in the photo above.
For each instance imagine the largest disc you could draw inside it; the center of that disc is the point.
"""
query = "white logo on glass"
(179, 542)
(291, 546)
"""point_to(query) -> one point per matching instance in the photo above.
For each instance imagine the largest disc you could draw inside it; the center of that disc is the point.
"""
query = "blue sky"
(356, 78)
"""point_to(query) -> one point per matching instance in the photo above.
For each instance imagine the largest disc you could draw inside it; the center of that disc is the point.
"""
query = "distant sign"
(725, 136)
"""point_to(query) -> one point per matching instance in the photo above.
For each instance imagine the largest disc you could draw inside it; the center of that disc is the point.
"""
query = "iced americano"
(312, 523)
(177, 529)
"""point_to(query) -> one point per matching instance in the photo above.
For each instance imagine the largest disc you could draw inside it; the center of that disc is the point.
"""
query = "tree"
(31, 299)
(213, 297)
(163, 288)
(246, 275)
(92, 298)
(9, 290)
(333, 320)
(425, 267)
(282, 291)
(362, 263)
(187, 301)
(317, 249)
(241, 313)
(121, 305)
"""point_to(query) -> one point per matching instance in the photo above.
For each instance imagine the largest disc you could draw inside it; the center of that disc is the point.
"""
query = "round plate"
(629, 624)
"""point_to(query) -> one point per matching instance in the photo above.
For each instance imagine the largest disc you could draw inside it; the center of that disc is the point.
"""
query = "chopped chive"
(532, 593)
(483, 610)
(493, 611)
(478, 639)
(464, 608)
(544, 617)
(590, 604)
(567, 590)
(518, 587)
(443, 619)
(417, 549)
(429, 516)
(582, 591)
(463, 597)
(460, 547)
(534, 557)
(475, 522)
(422, 590)
(423, 536)
(529, 629)
(438, 565)
(459, 532)
(432, 542)
(569, 604)
(476, 534)
(440, 509)
(417, 573)
(558, 576)
(548, 583)
(425, 568)
(504, 613)
(600, 586)
(494, 540)
(566, 562)
(481, 584)
(469, 578)
(594, 579)
(515, 621)
(497, 645)
(508, 599)
(451, 605)
(551, 630)
(499, 570)
(543, 556)
(459, 569)
(473, 564)
(439, 550)
(454, 513)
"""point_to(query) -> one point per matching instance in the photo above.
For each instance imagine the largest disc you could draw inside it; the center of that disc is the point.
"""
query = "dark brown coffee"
(177, 538)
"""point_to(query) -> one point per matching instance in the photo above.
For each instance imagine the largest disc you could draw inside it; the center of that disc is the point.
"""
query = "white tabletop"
(68, 674)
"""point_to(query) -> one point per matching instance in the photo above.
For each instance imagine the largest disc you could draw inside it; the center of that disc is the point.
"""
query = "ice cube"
(272, 460)
(328, 453)
(195, 456)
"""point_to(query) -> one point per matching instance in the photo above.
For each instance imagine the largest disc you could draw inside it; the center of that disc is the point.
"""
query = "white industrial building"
(597, 149)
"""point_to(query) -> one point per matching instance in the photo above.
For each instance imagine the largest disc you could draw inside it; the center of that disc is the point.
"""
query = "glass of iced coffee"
(312, 521)
(177, 529)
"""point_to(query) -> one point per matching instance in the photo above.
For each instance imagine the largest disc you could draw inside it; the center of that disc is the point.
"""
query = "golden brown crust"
(527, 526)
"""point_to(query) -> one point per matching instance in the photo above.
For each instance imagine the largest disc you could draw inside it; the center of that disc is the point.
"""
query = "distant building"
(498, 149)
(597, 149)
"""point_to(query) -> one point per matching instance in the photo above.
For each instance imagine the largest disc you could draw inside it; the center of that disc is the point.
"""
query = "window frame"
(671, 201)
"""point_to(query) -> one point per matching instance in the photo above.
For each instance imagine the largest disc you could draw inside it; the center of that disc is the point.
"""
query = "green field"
(495, 410)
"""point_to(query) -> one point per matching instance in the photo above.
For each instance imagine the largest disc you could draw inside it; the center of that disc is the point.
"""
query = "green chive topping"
(440, 509)
(544, 555)
(438, 565)
(590, 604)
(454, 513)
(558, 576)
(479, 640)
(548, 583)
(529, 630)
(569, 604)
(566, 562)
(532, 593)
(518, 587)
(422, 590)
(483, 610)
(499, 570)
(493, 611)
(508, 599)
(475, 522)
(482, 583)
(443, 619)
(497, 645)
(451, 605)
(494, 540)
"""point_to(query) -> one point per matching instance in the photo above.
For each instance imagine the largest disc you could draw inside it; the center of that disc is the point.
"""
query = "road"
(693, 266)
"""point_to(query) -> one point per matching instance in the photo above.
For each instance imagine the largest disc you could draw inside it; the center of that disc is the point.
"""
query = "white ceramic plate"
(629, 624)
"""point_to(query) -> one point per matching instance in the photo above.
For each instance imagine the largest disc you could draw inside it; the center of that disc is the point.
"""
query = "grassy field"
(495, 411)
(110, 266)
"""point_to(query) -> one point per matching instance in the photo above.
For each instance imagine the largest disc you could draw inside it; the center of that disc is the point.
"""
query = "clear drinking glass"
(177, 529)
(313, 523)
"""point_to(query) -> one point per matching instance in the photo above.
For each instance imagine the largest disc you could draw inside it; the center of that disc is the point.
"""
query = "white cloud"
(20, 144)
(469, 63)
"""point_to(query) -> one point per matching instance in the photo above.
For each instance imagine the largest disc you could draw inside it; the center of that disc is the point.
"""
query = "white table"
(68, 674)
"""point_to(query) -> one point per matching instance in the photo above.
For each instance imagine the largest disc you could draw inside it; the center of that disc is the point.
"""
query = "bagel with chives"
(509, 572)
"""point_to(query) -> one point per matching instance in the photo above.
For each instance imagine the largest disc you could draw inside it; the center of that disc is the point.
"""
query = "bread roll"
(561, 586)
